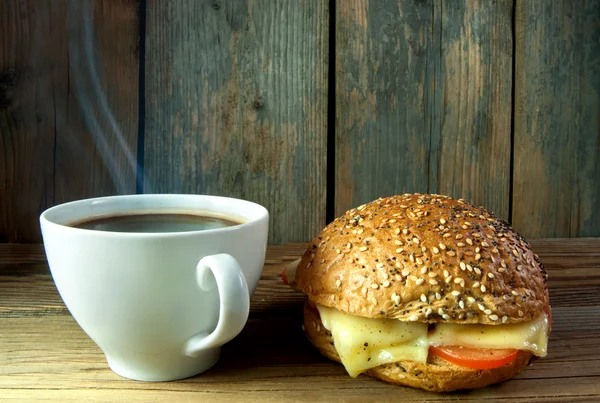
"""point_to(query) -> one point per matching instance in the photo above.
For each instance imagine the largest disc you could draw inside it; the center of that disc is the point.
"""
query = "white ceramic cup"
(159, 305)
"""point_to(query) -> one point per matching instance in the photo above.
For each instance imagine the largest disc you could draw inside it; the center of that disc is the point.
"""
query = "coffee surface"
(156, 223)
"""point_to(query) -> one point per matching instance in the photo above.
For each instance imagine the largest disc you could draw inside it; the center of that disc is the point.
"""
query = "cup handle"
(223, 272)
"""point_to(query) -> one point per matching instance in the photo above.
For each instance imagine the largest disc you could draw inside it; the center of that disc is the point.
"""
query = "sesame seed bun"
(426, 258)
(437, 375)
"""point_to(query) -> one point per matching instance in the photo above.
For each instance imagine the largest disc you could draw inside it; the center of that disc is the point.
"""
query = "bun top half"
(427, 258)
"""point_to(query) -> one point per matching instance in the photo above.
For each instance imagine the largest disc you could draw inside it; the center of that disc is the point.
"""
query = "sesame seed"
(399, 250)
(519, 267)
(360, 231)
(501, 269)
(423, 270)
(514, 252)
(477, 256)
(463, 266)
(338, 283)
(412, 258)
(485, 244)
(467, 223)
(460, 244)
(436, 250)
(481, 307)
(456, 293)
(477, 249)
(461, 303)
(364, 291)
(488, 311)
(363, 248)
(419, 281)
(392, 221)
(495, 250)
(433, 282)
(446, 316)
(413, 318)
(476, 284)
(416, 240)
(374, 301)
(442, 246)
(483, 288)
(491, 275)
(464, 227)
(338, 251)
(471, 299)
(384, 275)
(399, 265)
(423, 298)
(432, 274)
(375, 286)
(438, 296)
(405, 231)
(379, 265)
(398, 242)
(440, 311)
(405, 272)
(309, 264)
(468, 253)
(442, 221)
(428, 312)
(447, 235)
(494, 317)
(386, 283)
(446, 274)
(397, 231)
(469, 267)
(457, 280)
(398, 277)
(513, 292)
(458, 236)
(450, 253)
(520, 313)
(419, 260)
(461, 315)
(448, 279)
(469, 241)
(477, 270)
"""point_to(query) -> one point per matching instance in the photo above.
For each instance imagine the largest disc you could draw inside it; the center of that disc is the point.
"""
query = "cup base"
(172, 370)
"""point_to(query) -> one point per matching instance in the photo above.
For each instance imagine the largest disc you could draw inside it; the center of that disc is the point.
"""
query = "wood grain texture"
(30, 62)
(237, 105)
(423, 98)
(557, 118)
(56, 140)
(46, 356)
(470, 153)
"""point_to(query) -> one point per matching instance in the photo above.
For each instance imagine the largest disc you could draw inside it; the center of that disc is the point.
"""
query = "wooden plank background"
(56, 140)
(237, 105)
(497, 102)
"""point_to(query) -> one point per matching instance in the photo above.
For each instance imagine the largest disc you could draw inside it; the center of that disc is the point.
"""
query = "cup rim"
(44, 216)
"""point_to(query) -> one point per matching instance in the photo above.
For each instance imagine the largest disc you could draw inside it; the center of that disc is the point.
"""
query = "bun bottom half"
(437, 375)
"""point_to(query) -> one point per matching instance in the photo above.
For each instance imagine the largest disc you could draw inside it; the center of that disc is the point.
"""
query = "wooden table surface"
(44, 354)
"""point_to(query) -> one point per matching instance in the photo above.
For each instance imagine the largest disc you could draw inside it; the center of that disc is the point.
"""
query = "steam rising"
(90, 94)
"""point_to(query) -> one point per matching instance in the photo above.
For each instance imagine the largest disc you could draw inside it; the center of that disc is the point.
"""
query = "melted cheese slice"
(364, 343)
(530, 336)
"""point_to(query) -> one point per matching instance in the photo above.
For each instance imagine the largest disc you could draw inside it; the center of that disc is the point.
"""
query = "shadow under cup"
(158, 304)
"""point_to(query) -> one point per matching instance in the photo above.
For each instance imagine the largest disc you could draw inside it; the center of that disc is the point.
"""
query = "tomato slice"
(476, 358)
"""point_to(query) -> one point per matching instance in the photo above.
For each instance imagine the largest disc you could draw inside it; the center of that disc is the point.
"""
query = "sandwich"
(426, 291)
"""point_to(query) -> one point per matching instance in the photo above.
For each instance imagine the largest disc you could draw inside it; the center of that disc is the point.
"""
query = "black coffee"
(157, 222)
